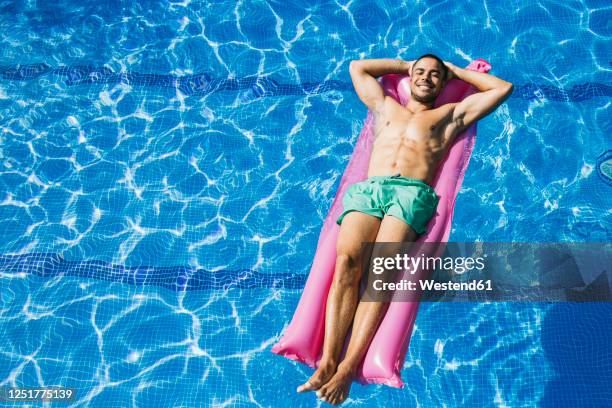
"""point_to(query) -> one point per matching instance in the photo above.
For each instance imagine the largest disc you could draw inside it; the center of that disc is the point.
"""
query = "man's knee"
(348, 270)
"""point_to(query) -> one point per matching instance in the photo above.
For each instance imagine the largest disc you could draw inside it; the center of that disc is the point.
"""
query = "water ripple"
(259, 86)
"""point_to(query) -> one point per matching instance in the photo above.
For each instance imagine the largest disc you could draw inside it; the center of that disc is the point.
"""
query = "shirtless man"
(396, 202)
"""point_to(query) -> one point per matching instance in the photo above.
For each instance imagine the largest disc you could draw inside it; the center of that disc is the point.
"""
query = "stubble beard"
(423, 99)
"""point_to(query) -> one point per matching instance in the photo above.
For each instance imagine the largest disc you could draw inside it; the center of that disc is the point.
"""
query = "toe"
(338, 399)
(324, 394)
(307, 386)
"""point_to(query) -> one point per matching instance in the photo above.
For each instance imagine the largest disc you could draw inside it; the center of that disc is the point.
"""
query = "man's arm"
(364, 74)
(493, 92)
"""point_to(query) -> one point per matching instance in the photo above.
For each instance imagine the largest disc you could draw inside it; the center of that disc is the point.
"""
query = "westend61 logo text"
(412, 264)
(487, 271)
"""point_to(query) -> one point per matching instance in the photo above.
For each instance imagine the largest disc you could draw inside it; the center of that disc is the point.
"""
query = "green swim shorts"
(411, 200)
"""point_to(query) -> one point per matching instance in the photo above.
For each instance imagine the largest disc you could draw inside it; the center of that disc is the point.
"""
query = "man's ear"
(449, 76)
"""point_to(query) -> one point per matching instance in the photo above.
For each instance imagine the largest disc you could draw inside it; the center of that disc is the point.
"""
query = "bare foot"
(320, 377)
(337, 388)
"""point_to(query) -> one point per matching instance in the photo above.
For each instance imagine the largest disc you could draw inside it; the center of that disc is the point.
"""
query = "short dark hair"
(444, 67)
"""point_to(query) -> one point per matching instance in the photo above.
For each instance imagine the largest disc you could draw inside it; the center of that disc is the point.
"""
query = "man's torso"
(411, 144)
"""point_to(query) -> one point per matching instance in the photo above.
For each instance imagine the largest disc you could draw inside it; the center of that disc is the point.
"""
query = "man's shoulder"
(388, 107)
(447, 107)
(442, 113)
(390, 104)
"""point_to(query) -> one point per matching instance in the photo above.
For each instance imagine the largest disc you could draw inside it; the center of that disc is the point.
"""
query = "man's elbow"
(508, 88)
(502, 92)
(355, 65)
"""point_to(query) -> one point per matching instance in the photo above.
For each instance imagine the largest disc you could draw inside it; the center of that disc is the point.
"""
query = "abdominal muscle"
(408, 147)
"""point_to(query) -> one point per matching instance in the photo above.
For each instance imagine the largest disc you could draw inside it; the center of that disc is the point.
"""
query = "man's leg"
(367, 319)
(343, 295)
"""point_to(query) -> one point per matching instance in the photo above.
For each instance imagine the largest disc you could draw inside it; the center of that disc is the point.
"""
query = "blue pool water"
(166, 168)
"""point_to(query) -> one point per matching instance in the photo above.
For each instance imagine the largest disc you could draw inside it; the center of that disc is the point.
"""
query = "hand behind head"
(451, 71)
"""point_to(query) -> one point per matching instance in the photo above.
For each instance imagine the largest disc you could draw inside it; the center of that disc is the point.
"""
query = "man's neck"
(415, 106)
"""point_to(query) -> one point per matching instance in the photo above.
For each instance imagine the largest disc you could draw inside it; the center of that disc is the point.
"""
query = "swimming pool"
(166, 168)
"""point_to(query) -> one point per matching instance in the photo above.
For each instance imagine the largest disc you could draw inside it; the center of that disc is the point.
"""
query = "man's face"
(427, 81)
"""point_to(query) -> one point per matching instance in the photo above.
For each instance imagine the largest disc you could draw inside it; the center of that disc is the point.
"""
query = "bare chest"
(426, 131)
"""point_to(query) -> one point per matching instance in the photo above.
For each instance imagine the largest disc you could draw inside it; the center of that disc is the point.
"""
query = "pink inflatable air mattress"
(303, 338)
